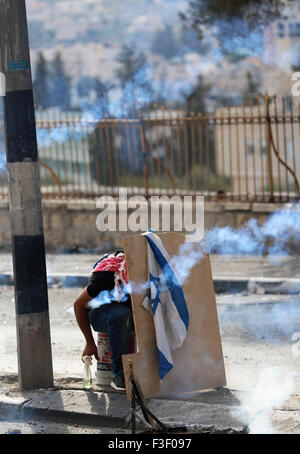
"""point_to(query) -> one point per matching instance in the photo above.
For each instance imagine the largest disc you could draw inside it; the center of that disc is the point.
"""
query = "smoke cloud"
(274, 237)
(273, 388)
(273, 321)
(267, 326)
(60, 134)
(140, 91)
(270, 324)
(2, 161)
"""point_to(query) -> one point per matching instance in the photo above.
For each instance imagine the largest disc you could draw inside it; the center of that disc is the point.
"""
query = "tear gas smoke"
(274, 237)
(2, 161)
(273, 388)
(272, 321)
(253, 322)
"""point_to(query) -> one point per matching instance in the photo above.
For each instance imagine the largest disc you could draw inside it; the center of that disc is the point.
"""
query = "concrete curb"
(113, 410)
(68, 407)
(269, 285)
(222, 284)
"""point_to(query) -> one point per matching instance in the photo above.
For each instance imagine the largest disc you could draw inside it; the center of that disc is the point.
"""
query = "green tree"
(189, 41)
(232, 18)
(105, 143)
(60, 84)
(130, 64)
(251, 90)
(135, 78)
(41, 87)
(196, 103)
(253, 12)
(164, 43)
(197, 98)
(94, 94)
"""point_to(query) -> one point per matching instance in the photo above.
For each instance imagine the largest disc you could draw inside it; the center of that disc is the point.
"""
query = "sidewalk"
(211, 411)
(111, 409)
(230, 273)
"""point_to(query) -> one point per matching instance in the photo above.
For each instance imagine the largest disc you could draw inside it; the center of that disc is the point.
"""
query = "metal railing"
(246, 153)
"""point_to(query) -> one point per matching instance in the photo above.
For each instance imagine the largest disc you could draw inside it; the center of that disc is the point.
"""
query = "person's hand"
(90, 350)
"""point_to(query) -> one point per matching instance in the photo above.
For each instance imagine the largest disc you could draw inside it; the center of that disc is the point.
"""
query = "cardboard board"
(198, 363)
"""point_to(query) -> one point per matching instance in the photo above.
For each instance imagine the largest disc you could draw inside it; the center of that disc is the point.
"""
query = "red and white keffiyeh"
(118, 265)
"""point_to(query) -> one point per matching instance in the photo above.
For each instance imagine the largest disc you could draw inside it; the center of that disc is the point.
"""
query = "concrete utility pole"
(31, 297)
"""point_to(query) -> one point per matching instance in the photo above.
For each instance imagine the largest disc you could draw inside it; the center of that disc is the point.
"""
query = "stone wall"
(72, 224)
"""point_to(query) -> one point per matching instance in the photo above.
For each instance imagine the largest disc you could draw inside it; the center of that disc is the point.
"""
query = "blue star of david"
(156, 300)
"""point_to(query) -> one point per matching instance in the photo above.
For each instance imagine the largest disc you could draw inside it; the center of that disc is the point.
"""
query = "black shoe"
(118, 383)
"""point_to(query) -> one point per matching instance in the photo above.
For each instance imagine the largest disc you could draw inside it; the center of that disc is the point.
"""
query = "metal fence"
(246, 153)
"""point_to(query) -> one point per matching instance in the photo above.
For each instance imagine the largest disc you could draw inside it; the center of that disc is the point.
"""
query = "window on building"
(257, 147)
(280, 28)
(295, 55)
(294, 29)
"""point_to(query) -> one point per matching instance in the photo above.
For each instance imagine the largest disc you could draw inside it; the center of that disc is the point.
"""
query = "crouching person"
(105, 305)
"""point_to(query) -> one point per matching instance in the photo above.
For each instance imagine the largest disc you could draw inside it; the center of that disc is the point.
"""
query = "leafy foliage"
(41, 86)
(164, 43)
(134, 78)
(253, 12)
(60, 84)
(130, 64)
(232, 20)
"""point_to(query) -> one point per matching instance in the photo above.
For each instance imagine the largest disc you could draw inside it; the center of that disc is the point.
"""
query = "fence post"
(144, 151)
(269, 148)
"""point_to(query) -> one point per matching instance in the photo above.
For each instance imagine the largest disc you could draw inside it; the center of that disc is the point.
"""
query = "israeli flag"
(167, 303)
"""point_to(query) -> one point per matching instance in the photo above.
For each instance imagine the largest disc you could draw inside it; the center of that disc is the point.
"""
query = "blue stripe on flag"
(163, 364)
(172, 283)
(156, 300)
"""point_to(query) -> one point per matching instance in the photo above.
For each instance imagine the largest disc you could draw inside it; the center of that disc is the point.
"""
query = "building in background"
(282, 51)
(245, 154)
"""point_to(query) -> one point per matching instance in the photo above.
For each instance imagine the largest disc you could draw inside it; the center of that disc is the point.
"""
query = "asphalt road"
(258, 332)
(261, 346)
(37, 427)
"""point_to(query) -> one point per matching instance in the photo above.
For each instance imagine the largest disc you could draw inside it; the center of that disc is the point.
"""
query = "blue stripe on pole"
(172, 283)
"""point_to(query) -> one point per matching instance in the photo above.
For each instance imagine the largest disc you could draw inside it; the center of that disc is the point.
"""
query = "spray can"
(87, 374)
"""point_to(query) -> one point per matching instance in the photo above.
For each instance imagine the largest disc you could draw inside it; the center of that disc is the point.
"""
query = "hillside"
(90, 35)
(111, 22)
